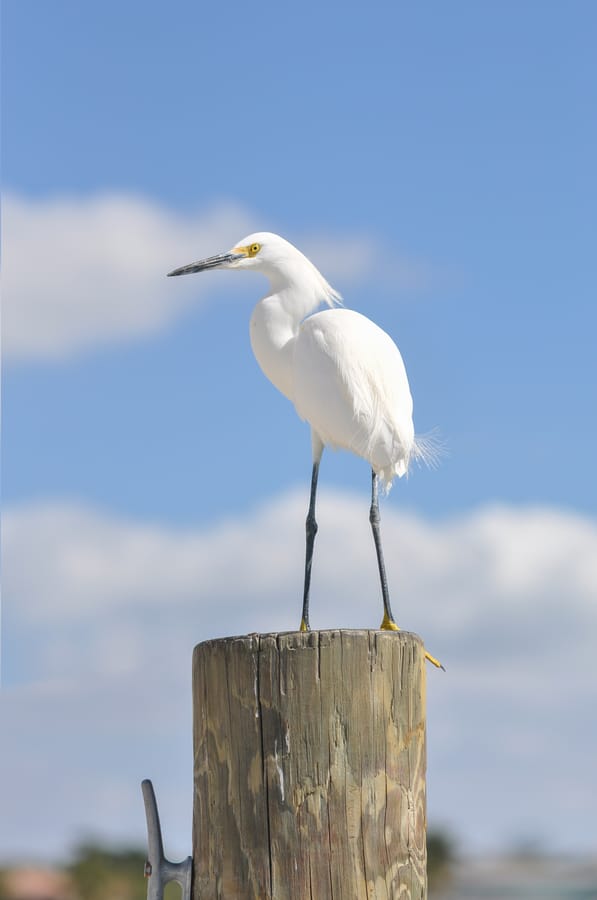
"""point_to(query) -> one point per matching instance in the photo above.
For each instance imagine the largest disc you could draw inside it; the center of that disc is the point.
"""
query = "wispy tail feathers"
(428, 449)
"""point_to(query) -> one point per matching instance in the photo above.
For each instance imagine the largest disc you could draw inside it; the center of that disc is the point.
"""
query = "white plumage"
(350, 385)
(344, 374)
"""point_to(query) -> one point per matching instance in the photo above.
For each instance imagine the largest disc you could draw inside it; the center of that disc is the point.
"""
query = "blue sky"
(437, 163)
(460, 140)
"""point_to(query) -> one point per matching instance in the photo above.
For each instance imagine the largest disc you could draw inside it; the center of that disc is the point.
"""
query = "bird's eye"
(254, 249)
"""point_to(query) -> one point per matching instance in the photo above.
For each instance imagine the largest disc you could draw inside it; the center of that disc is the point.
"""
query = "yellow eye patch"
(251, 250)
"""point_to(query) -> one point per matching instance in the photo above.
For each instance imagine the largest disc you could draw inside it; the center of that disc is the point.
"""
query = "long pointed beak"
(212, 262)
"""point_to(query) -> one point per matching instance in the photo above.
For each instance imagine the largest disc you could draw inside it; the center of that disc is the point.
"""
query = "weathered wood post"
(310, 767)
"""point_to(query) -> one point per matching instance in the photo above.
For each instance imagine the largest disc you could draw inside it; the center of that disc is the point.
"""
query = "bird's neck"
(274, 326)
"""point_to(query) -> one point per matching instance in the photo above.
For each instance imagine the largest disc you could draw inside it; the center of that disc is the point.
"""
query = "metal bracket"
(159, 870)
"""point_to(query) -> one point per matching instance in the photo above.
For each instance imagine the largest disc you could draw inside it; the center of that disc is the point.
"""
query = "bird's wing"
(350, 384)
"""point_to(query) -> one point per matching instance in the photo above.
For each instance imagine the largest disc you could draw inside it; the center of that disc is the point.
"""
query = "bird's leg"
(388, 623)
(388, 619)
(311, 529)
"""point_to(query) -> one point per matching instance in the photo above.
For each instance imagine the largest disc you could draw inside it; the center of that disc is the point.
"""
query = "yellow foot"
(389, 625)
(434, 662)
(304, 626)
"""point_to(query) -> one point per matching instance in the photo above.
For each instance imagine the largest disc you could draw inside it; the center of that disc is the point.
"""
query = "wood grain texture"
(310, 767)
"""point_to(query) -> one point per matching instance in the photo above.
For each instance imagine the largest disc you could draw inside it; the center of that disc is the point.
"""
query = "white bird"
(344, 375)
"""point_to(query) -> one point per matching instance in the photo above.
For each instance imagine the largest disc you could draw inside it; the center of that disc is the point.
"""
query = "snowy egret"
(344, 375)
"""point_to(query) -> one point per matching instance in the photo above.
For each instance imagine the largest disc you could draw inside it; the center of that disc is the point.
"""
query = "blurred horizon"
(437, 165)
(96, 870)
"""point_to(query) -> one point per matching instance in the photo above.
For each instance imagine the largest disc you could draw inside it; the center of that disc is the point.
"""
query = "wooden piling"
(310, 767)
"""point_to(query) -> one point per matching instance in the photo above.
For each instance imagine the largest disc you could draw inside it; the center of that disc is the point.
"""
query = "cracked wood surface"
(309, 767)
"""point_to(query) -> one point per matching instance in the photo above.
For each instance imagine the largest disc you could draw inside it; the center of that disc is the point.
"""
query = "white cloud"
(80, 272)
(101, 615)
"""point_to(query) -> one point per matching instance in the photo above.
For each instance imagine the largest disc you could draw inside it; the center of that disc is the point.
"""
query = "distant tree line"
(98, 872)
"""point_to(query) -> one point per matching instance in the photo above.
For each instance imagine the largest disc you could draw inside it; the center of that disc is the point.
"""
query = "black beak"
(212, 262)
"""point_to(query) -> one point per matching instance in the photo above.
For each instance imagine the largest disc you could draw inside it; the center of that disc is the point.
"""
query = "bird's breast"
(272, 341)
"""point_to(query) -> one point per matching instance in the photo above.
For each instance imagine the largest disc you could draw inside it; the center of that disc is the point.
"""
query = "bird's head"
(261, 251)
(278, 260)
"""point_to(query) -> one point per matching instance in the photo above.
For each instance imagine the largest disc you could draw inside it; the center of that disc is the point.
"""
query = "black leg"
(388, 622)
(311, 529)
(388, 619)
